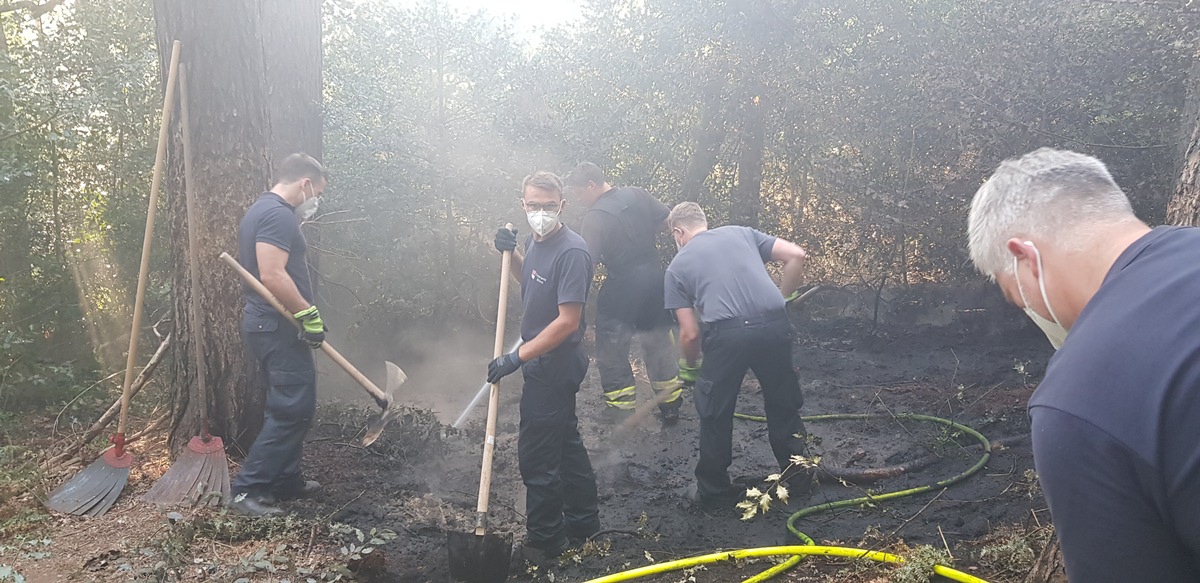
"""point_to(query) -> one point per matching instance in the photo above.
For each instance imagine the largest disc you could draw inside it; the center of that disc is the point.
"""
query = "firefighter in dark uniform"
(272, 248)
(620, 227)
(555, 273)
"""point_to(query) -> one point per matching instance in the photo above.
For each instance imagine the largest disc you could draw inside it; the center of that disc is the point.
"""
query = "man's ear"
(1023, 249)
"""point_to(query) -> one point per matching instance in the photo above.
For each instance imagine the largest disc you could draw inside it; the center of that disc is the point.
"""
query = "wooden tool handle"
(376, 393)
(193, 230)
(164, 126)
(489, 442)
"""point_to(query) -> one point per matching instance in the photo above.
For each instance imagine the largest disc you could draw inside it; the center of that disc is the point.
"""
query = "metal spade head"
(479, 558)
(395, 378)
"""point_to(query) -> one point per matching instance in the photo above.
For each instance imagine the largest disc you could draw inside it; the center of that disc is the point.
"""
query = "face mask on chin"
(1055, 332)
(307, 208)
(542, 222)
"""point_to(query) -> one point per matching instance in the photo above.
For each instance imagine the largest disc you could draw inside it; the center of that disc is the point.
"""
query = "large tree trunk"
(746, 198)
(253, 72)
(707, 135)
(1184, 208)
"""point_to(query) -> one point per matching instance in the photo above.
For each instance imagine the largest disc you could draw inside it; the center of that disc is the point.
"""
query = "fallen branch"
(108, 416)
(151, 428)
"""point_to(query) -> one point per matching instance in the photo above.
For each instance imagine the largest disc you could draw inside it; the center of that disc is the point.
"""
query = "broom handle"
(489, 442)
(131, 360)
(193, 251)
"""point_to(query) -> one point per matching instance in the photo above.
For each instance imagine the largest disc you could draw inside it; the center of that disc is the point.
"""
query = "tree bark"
(1049, 566)
(708, 135)
(745, 202)
(1184, 208)
(253, 72)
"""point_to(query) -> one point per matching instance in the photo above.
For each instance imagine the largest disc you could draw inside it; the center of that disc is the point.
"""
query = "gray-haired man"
(1116, 437)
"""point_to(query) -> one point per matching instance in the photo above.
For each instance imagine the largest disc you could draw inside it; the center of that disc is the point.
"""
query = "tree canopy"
(859, 128)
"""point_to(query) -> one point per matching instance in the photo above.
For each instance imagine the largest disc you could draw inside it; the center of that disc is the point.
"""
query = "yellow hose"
(799, 552)
(796, 551)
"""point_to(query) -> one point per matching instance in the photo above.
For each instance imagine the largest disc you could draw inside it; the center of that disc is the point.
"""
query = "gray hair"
(544, 180)
(687, 215)
(1048, 194)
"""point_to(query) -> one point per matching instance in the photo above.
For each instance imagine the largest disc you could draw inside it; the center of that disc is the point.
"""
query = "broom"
(94, 490)
(200, 475)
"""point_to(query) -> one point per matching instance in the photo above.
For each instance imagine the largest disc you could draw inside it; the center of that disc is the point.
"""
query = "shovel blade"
(479, 559)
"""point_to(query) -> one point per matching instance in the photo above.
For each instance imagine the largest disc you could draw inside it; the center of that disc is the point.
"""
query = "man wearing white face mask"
(555, 273)
(1116, 440)
(272, 248)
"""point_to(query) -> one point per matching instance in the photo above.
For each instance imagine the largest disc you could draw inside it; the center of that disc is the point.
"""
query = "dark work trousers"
(762, 344)
(631, 304)
(560, 485)
(273, 464)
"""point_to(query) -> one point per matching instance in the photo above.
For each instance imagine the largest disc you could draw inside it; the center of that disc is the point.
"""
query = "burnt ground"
(420, 482)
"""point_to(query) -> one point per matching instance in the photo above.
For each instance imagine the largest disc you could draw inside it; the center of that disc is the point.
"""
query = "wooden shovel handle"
(164, 126)
(489, 442)
(375, 392)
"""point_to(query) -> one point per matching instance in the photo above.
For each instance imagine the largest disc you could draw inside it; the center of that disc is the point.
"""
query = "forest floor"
(419, 483)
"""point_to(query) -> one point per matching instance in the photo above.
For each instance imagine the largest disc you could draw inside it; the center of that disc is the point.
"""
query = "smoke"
(445, 367)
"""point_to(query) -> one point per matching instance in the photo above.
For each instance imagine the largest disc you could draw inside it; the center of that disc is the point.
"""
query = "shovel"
(94, 490)
(480, 556)
(200, 474)
(395, 377)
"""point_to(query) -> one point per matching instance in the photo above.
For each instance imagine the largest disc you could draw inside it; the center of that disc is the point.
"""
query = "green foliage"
(19, 476)
(919, 563)
(880, 118)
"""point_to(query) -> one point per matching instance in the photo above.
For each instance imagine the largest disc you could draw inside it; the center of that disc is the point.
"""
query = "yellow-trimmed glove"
(792, 297)
(689, 374)
(312, 328)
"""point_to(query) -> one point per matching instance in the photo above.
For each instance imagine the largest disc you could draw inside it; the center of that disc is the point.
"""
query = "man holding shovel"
(719, 277)
(272, 248)
(620, 228)
(555, 274)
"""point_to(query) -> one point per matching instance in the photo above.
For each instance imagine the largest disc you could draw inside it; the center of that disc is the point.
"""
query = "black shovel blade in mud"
(479, 559)
(94, 490)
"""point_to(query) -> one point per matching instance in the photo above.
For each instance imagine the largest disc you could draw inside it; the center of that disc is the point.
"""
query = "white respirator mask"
(1055, 332)
(308, 208)
(542, 222)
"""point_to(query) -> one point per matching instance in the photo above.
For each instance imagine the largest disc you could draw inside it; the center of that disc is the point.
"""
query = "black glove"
(506, 240)
(503, 366)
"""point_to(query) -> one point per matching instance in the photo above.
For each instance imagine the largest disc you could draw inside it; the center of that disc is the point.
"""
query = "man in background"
(272, 248)
(555, 273)
(719, 277)
(621, 227)
(1116, 441)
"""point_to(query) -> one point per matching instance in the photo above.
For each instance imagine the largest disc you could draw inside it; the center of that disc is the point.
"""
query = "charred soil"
(419, 482)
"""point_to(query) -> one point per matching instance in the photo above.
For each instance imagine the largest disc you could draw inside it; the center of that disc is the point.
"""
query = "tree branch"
(35, 126)
(35, 9)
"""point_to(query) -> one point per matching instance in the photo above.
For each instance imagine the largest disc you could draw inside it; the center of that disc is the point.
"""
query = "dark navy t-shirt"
(622, 227)
(271, 220)
(556, 270)
(1116, 422)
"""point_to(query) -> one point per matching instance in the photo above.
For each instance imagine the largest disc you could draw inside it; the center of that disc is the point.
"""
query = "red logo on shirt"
(533, 274)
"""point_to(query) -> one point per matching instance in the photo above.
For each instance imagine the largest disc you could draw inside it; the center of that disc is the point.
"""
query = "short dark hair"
(586, 172)
(544, 180)
(297, 167)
